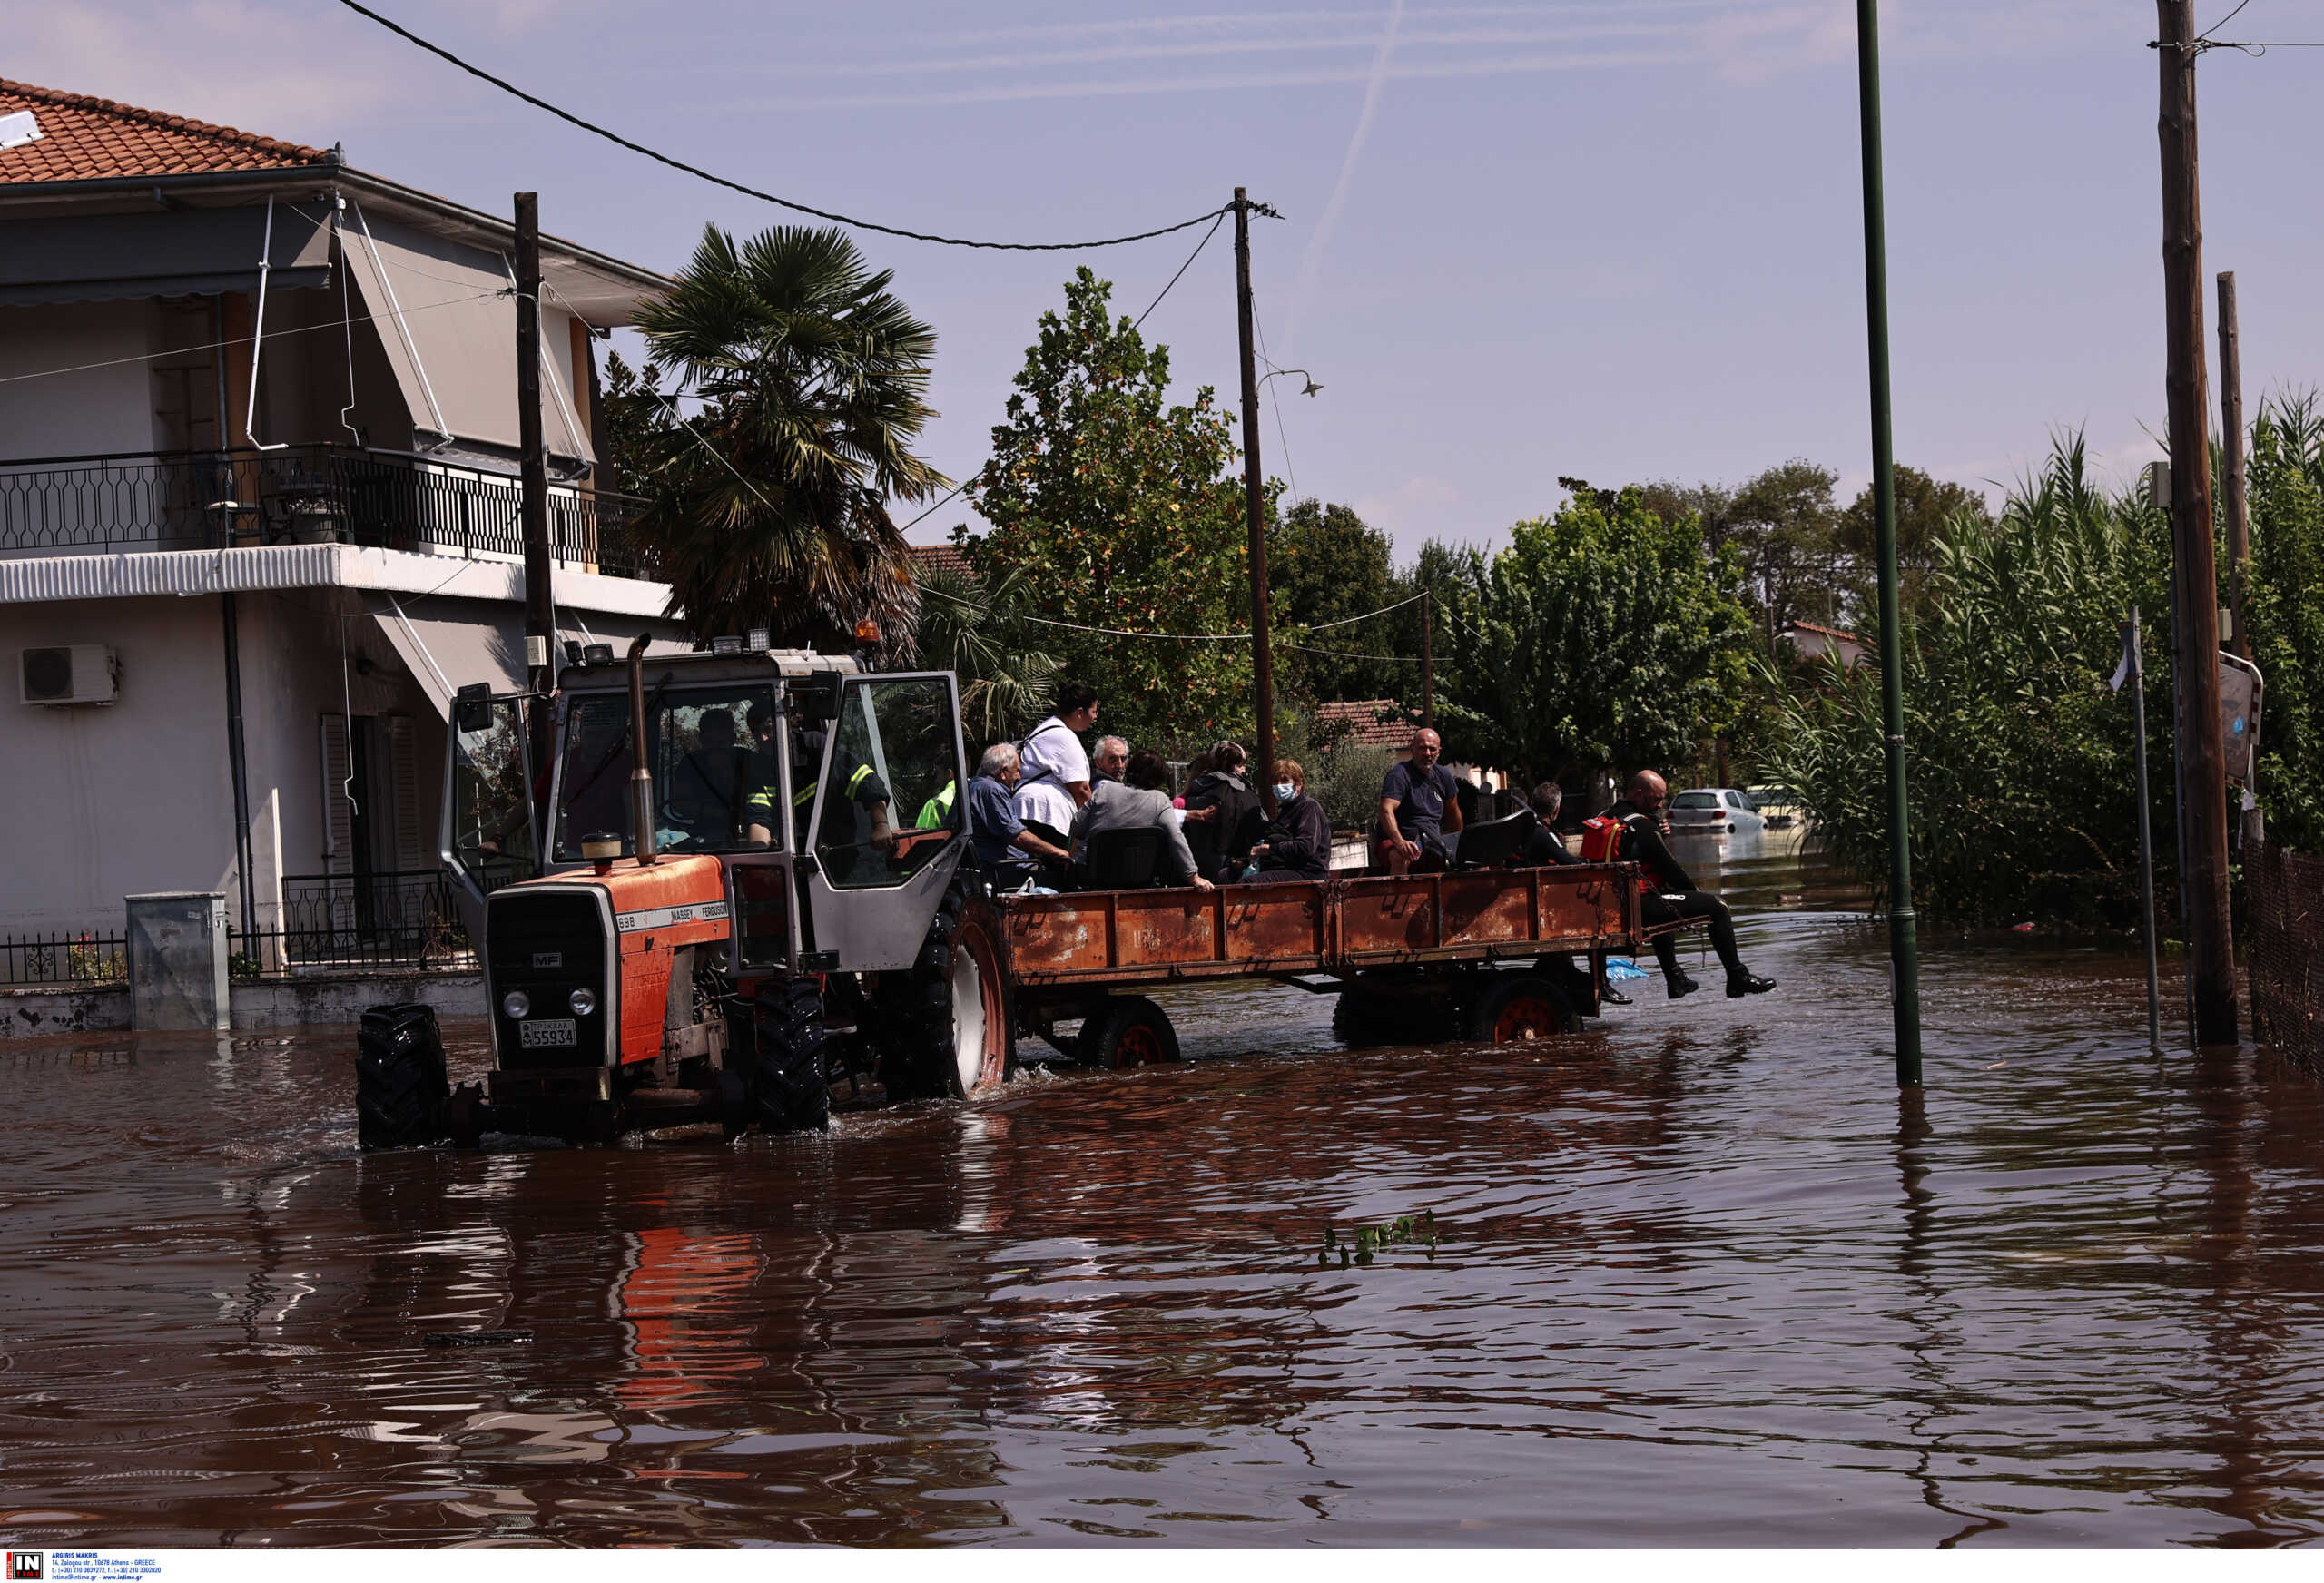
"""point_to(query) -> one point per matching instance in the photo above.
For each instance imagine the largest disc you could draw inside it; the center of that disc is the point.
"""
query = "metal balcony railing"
(190, 500)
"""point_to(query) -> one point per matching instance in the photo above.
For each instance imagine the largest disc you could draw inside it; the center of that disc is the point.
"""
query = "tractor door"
(890, 819)
(488, 838)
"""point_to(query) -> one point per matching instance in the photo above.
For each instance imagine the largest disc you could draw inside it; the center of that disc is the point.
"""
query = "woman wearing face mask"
(1297, 844)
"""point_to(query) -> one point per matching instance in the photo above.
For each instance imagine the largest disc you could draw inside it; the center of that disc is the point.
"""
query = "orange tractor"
(774, 899)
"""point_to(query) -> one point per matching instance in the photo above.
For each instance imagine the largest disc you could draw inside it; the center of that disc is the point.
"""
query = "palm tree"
(976, 631)
(769, 506)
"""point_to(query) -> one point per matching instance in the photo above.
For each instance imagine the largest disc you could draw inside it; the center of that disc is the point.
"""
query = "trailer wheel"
(1519, 1007)
(1130, 1032)
(946, 1031)
(1368, 1018)
(787, 1091)
(400, 1086)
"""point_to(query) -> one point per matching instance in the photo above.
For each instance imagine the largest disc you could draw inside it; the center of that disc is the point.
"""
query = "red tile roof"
(1374, 723)
(84, 139)
(941, 557)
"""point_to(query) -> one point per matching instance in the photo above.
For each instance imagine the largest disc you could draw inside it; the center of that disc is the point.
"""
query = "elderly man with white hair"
(999, 835)
(1109, 761)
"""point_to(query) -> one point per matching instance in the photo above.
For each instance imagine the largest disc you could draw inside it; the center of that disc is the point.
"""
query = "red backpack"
(1601, 838)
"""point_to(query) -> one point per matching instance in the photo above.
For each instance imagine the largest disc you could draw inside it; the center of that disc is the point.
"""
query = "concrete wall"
(104, 801)
(319, 1001)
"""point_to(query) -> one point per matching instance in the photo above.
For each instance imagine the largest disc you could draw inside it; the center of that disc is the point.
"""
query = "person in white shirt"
(1055, 781)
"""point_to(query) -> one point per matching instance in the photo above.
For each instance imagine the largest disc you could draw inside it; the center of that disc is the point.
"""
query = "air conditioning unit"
(69, 673)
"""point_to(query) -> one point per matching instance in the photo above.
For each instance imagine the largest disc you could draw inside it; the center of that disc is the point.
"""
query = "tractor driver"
(710, 791)
(858, 834)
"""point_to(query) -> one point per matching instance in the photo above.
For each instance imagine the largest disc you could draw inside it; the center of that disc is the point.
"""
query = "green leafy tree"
(1326, 564)
(1925, 508)
(770, 507)
(1603, 637)
(1119, 511)
(1786, 527)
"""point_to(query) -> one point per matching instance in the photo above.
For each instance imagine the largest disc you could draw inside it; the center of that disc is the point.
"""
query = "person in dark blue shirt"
(1001, 838)
(1419, 806)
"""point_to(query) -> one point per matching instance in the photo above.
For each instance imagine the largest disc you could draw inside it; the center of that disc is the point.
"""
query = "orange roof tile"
(1375, 723)
(941, 557)
(85, 139)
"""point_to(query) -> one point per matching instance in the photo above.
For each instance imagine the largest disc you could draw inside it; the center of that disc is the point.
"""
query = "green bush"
(2020, 757)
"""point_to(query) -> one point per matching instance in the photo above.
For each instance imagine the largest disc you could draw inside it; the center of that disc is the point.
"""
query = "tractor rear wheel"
(946, 1031)
(1517, 1006)
(400, 1086)
(787, 1088)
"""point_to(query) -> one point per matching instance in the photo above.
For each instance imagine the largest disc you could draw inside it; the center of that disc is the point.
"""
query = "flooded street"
(1701, 1278)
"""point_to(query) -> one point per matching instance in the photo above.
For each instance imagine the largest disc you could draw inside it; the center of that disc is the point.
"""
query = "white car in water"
(1714, 810)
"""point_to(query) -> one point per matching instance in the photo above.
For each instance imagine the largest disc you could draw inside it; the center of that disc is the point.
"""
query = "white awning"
(185, 252)
(447, 315)
(450, 644)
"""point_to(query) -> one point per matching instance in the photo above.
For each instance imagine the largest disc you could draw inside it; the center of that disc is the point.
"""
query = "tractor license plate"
(547, 1033)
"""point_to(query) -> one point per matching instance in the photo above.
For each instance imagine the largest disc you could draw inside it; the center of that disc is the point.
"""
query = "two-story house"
(259, 457)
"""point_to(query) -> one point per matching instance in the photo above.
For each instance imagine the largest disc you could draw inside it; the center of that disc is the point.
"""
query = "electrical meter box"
(177, 962)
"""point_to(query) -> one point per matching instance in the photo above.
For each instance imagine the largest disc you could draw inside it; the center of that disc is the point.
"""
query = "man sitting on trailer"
(1014, 853)
(1544, 849)
(1668, 897)
(1419, 805)
(1111, 759)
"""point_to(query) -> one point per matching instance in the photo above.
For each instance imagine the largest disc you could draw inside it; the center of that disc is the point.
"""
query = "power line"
(1191, 257)
(676, 164)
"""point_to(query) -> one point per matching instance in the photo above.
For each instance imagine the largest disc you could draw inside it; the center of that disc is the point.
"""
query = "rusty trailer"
(1419, 956)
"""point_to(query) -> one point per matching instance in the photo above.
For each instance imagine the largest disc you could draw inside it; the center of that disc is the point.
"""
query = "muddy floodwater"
(1697, 1279)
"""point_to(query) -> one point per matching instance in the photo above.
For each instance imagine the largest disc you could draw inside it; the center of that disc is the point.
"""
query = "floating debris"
(480, 1338)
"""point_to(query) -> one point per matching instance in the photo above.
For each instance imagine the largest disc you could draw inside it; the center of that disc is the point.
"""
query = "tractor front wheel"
(400, 1086)
(787, 1089)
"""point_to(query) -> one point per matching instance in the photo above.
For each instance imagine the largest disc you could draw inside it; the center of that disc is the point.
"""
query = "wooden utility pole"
(540, 608)
(2202, 758)
(2230, 415)
(1428, 658)
(1254, 503)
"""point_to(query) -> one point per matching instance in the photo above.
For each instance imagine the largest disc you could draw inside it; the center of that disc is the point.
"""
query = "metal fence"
(2284, 892)
(301, 494)
(64, 958)
(386, 920)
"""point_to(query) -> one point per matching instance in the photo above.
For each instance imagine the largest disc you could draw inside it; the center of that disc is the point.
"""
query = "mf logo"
(27, 1567)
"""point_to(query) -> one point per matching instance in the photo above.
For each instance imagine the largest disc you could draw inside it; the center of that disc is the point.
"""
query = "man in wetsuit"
(1668, 896)
(1544, 848)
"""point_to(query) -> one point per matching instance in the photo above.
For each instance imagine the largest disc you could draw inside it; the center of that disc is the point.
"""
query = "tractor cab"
(828, 794)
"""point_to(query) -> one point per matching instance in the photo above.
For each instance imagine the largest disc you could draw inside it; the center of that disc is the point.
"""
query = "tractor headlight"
(583, 1001)
(517, 1004)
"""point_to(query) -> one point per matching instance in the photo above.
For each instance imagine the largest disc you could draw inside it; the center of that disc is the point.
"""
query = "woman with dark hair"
(1141, 797)
(1219, 798)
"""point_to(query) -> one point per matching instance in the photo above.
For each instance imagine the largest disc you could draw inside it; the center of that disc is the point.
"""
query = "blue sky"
(1612, 240)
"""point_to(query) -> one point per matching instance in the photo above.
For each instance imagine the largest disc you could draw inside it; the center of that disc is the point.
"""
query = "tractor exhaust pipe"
(641, 778)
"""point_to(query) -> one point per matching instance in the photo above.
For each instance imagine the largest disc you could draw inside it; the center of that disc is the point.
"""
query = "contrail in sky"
(1310, 260)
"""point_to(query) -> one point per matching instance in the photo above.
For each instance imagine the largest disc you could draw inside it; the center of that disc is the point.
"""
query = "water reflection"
(1701, 1277)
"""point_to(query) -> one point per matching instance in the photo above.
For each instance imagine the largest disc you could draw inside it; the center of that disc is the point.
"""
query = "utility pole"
(2202, 758)
(1428, 658)
(2146, 834)
(1255, 500)
(1903, 942)
(2231, 414)
(540, 608)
